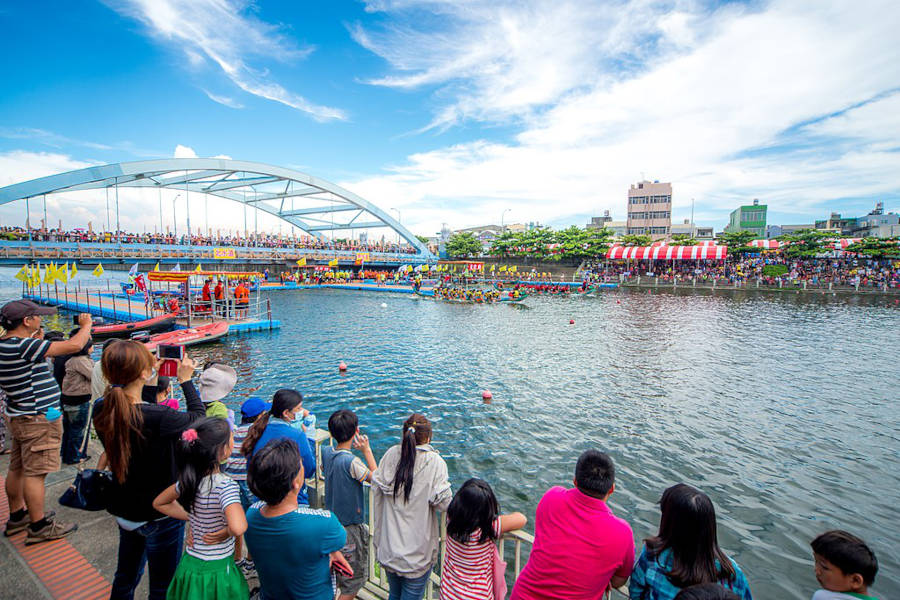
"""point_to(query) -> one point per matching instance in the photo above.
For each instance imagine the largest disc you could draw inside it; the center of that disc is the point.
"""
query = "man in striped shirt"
(31, 390)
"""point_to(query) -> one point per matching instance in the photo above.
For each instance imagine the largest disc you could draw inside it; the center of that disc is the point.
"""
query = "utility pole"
(693, 227)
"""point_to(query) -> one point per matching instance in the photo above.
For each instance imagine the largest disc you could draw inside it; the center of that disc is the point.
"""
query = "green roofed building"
(749, 218)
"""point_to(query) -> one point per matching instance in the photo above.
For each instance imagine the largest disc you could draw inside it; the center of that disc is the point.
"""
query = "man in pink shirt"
(580, 547)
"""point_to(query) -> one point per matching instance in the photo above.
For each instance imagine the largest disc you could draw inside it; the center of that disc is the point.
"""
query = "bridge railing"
(92, 251)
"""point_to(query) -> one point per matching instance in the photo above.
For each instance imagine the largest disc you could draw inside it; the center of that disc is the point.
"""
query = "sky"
(464, 111)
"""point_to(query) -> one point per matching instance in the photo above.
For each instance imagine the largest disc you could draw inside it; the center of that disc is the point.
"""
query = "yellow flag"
(502, 268)
(98, 270)
(74, 271)
(62, 273)
(23, 275)
(156, 268)
(301, 262)
(493, 267)
(198, 269)
(333, 263)
(513, 269)
(409, 269)
(49, 273)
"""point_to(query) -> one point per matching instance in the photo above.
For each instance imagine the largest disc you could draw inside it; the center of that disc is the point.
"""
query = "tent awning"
(668, 253)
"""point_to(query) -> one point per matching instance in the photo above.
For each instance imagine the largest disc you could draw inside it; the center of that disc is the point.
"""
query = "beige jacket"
(407, 534)
(77, 381)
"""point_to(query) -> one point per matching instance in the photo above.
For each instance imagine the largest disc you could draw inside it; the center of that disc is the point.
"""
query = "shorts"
(356, 551)
(35, 444)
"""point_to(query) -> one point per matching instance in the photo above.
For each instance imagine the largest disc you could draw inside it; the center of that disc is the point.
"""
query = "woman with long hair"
(276, 423)
(410, 485)
(686, 550)
(139, 439)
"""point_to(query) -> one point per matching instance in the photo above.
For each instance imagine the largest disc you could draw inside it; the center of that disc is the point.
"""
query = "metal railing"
(512, 545)
(754, 283)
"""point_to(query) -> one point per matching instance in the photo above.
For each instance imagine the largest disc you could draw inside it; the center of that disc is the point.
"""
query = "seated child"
(293, 546)
(344, 477)
(845, 566)
(216, 382)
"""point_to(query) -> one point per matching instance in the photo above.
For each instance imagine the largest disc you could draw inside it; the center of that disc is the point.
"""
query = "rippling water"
(781, 408)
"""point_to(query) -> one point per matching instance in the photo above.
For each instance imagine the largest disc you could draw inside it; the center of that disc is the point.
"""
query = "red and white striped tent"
(767, 244)
(667, 253)
(843, 243)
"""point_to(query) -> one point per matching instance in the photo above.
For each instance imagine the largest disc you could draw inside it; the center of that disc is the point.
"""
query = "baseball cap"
(216, 382)
(19, 309)
(253, 406)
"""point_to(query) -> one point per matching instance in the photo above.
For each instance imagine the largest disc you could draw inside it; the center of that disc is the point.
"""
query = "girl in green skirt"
(211, 502)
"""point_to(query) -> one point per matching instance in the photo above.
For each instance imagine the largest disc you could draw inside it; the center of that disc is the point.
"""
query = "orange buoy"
(487, 396)
(342, 367)
(571, 321)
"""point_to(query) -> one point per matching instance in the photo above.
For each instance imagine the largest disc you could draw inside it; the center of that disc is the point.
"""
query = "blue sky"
(453, 111)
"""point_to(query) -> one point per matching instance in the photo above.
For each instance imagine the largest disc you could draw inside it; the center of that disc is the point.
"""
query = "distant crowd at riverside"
(262, 240)
(816, 272)
(238, 480)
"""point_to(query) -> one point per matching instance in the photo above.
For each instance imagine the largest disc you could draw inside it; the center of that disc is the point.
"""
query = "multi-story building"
(650, 209)
(748, 218)
(878, 224)
(697, 232)
(774, 231)
(606, 222)
(838, 224)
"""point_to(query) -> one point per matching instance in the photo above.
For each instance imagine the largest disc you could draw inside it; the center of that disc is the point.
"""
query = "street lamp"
(398, 233)
(175, 219)
(505, 210)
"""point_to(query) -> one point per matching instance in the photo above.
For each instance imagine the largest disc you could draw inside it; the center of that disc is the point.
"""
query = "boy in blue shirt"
(344, 477)
(293, 546)
(845, 566)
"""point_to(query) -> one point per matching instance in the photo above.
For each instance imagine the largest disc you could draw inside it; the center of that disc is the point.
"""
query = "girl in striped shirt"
(474, 524)
(211, 502)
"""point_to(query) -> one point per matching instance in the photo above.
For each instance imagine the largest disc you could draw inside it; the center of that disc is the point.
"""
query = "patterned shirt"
(650, 582)
(468, 571)
(214, 493)
(236, 464)
(25, 376)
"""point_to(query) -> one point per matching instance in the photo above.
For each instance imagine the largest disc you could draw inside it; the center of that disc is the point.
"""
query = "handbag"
(499, 572)
(89, 491)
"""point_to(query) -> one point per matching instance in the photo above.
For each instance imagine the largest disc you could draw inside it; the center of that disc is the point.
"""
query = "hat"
(216, 382)
(19, 309)
(253, 406)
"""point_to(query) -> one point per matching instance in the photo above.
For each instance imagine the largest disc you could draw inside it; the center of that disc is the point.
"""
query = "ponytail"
(119, 418)
(198, 455)
(282, 401)
(416, 430)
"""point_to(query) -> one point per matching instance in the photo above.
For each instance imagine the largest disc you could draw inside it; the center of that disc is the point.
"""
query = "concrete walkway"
(55, 569)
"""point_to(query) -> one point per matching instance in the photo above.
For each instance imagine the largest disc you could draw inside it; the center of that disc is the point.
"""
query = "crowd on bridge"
(239, 482)
(249, 240)
(770, 269)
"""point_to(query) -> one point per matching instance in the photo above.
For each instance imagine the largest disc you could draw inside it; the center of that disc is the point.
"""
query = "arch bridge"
(309, 203)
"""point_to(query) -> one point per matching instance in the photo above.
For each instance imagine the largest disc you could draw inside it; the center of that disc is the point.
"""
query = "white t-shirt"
(828, 595)
(215, 492)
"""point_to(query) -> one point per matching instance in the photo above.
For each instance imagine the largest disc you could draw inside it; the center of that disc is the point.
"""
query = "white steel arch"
(266, 187)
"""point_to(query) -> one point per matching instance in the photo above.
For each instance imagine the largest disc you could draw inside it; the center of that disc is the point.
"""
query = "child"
(211, 502)
(344, 476)
(294, 546)
(216, 382)
(474, 523)
(845, 566)
(236, 466)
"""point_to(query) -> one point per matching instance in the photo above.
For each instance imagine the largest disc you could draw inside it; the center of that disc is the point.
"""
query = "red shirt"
(220, 292)
(579, 545)
(205, 292)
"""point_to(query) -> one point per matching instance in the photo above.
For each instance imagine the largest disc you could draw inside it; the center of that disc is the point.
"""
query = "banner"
(362, 257)
(301, 262)
(224, 253)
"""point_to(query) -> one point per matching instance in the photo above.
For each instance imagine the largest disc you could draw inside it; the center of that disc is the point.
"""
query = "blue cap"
(254, 405)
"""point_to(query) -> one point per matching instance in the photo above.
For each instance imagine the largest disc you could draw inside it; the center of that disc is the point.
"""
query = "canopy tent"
(767, 244)
(667, 253)
(843, 243)
(182, 276)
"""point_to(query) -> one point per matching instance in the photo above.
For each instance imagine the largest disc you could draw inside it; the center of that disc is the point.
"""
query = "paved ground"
(96, 539)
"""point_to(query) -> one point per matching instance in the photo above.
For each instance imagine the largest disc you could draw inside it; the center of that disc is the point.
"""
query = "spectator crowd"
(209, 501)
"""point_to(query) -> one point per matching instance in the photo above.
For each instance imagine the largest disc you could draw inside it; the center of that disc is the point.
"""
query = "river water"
(780, 407)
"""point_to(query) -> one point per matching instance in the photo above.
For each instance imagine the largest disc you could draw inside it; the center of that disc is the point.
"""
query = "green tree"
(636, 240)
(423, 239)
(503, 244)
(463, 245)
(876, 247)
(738, 242)
(808, 243)
(683, 239)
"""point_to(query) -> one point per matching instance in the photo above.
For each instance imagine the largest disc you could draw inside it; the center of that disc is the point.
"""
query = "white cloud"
(221, 31)
(184, 152)
(223, 100)
(718, 109)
